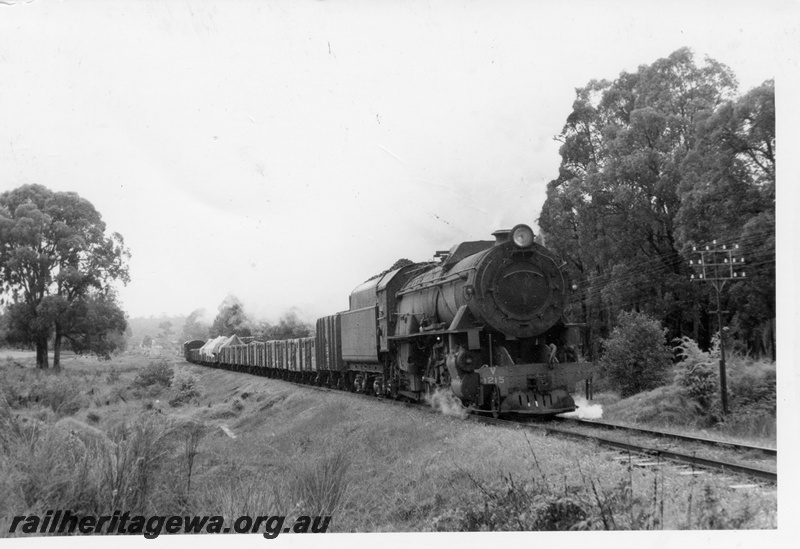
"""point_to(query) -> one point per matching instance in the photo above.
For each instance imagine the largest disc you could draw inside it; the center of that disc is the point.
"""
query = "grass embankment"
(173, 438)
(691, 402)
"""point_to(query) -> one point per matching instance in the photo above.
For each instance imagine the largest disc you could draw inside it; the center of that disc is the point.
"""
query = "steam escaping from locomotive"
(585, 410)
(443, 400)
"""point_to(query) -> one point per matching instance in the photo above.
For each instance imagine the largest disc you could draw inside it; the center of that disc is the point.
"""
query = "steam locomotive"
(483, 322)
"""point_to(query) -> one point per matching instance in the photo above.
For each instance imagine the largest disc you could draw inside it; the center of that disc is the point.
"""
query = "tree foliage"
(231, 319)
(289, 327)
(56, 263)
(636, 356)
(165, 332)
(94, 324)
(652, 163)
(194, 327)
(728, 191)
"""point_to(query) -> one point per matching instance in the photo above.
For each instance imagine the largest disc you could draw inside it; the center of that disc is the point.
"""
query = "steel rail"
(668, 434)
(714, 464)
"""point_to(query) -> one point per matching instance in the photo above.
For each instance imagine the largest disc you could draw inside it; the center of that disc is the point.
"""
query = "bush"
(753, 389)
(62, 394)
(636, 357)
(696, 372)
(157, 372)
(185, 387)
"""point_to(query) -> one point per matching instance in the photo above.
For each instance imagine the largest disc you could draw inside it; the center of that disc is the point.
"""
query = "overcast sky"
(284, 152)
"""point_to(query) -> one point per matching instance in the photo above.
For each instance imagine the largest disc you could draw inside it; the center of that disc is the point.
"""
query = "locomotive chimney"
(501, 236)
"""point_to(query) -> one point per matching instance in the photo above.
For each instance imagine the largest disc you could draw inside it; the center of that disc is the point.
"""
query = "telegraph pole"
(717, 265)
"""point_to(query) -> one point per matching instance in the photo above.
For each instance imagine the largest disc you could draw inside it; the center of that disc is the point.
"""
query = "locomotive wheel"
(494, 402)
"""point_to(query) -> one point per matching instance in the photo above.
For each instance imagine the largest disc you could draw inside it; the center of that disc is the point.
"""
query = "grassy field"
(154, 435)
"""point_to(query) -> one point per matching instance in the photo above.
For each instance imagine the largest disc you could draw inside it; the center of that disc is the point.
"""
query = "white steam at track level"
(446, 402)
(585, 410)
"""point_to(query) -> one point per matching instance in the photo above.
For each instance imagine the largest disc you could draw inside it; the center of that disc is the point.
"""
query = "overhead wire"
(640, 274)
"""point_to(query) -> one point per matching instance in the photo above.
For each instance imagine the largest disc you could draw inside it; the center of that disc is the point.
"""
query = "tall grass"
(141, 467)
(234, 495)
(538, 503)
(318, 484)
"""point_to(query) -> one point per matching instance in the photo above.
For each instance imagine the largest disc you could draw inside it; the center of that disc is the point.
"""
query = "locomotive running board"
(435, 333)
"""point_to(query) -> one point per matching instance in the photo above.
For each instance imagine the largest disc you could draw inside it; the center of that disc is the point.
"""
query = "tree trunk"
(57, 349)
(41, 354)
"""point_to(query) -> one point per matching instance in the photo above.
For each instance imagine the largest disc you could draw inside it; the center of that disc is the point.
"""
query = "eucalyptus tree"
(57, 269)
(611, 211)
(728, 190)
(231, 319)
(194, 327)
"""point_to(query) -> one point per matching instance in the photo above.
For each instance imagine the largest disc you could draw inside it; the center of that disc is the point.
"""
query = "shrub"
(636, 357)
(753, 389)
(696, 372)
(157, 373)
(60, 393)
(185, 387)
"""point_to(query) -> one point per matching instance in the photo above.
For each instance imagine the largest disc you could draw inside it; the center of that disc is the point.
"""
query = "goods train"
(483, 321)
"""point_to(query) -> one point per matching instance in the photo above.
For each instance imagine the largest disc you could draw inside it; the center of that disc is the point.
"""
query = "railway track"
(666, 434)
(693, 459)
(718, 465)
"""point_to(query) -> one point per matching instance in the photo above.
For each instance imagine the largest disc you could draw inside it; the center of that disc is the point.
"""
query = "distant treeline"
(232, 319)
